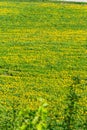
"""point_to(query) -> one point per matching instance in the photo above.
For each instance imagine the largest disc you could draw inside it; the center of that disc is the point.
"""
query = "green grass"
(42, 47)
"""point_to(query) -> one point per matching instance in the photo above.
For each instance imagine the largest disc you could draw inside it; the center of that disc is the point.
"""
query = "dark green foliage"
(72, 109)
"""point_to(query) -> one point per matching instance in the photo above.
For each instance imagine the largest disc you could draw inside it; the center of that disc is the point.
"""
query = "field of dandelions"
(43, 56)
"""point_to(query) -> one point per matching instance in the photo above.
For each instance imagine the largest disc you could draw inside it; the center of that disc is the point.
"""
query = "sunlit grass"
(42, 46)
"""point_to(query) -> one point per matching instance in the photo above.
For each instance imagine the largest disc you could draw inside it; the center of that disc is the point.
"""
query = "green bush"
(25, 119)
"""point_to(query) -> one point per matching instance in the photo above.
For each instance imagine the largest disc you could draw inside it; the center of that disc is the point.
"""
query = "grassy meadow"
(43, 54)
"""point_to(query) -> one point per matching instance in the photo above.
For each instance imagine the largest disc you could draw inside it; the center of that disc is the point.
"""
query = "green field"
(43, 47)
